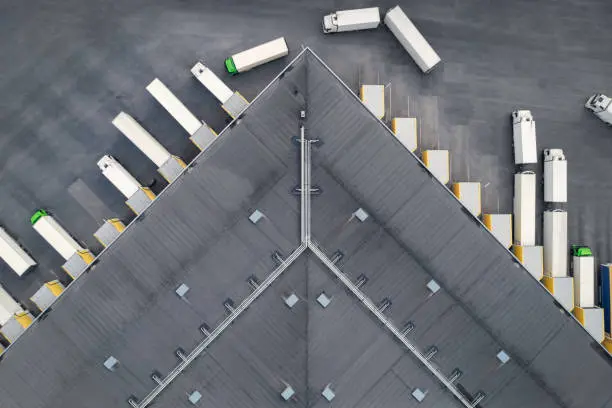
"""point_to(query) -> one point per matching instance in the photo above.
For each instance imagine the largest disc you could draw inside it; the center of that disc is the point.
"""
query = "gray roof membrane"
(197, 233)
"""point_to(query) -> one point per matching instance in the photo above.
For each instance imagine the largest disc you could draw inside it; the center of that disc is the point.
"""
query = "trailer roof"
(198, 233)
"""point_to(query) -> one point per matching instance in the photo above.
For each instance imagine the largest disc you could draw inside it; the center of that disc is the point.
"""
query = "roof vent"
(182, 290)
(194, 397)
(503, 357)
(384, 305)
(433, 286)
(287, 393)
(256, 216)
(111, 363)
(431, 352)
(328, 393)
(180, 353)
(361, 280)
(156, 376)
(478, 398)
(291, 300)
(455, 375)
(323, 300)
(205, 329)
(253, 282)
(408, 327)
(228, 304)
(361, 215)
(336, 257)
(418, 394)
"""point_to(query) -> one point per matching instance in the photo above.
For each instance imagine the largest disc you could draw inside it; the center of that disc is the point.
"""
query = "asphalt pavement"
(67, 68)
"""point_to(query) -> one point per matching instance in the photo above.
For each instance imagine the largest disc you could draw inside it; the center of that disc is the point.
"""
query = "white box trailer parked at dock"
(555, 176)
(601, 106)
(8, 306)
(524, 137)
(351, 20)
(231, 102)
(174, 106)
(169, 166)
(16, 325)
(138, 197)
(524, 212)
(500, 226)
(256, 56)
(77, 258)
(411, 39)
(555, 243)
(118, 176)
(14, 255)
(46, 295)
(583, 270)
(469, 195)
(438, 163)
(532, 258)
(373, 97)
(405, 129)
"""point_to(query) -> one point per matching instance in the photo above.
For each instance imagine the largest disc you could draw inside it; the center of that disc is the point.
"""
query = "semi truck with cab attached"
(256, 56)
(411, 39)
(524, 137)
(351, 20)
(601, 106)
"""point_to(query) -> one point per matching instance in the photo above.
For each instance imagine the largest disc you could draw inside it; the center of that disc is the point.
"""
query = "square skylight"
(433, 286)
(291, 300)
(194, 397)
(323, 300)
(418, 394)
(503, 357)
(287, 393)
(328, 393)
(361, 215)
(111, 363)
(182, 290)
(256, 216)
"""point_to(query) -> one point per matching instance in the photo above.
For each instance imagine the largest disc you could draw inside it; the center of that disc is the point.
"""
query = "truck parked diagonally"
(351, 20)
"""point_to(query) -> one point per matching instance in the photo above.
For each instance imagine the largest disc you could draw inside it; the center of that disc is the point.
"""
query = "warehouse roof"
(198, 233)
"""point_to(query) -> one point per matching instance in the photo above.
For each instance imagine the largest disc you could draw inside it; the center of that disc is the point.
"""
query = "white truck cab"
(351, 20)
(524, 137)
(601, 106)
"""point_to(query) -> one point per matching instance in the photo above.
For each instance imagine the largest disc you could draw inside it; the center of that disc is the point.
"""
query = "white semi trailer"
(138, 197)
(524, 137)
(555, 176)
(373, 97)
(405, 129)
(555, 243)
(231, 102)
(351, 20)
(14, 255)
(601, 106)
(174, 106)
(256, 56)
(200, 133)
(8, 306)
(438, 163)
(524, 208)
(77, 257)
(470, 196)
(411, 39)
(169, 166)
(583, 270)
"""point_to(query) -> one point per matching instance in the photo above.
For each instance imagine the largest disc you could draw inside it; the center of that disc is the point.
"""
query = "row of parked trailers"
(13, 318)
(572, 281)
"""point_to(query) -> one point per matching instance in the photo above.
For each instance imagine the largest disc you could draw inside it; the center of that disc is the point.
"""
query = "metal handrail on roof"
(199, 349)
(388, 324)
